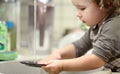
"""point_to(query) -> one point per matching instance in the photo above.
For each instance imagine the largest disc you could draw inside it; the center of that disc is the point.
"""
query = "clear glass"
(29, 24)
(36, 27)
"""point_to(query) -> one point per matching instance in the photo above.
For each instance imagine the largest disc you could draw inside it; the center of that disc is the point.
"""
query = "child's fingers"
(41, 62)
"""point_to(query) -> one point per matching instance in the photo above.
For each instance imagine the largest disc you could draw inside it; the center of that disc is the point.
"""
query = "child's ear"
(106, 4)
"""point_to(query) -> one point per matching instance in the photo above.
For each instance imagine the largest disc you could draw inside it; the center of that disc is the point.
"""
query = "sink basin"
(18, 68)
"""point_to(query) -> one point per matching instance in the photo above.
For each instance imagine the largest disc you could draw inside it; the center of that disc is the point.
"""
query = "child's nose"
(78, 14)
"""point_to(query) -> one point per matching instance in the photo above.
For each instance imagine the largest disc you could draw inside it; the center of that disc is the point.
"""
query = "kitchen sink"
(18, 68)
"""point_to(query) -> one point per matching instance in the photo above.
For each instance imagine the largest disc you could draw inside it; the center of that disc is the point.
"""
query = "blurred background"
(40, 23)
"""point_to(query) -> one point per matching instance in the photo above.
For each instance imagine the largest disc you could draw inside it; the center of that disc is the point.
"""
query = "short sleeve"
(108, 43)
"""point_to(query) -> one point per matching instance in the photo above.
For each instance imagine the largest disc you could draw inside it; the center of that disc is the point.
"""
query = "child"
(103, 36)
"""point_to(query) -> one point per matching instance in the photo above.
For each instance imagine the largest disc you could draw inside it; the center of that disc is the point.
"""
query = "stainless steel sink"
(18, 68)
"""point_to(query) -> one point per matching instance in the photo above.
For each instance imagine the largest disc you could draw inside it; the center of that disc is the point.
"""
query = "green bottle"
(3, 37)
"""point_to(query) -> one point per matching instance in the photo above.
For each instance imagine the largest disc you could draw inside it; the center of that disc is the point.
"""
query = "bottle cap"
(9, 24)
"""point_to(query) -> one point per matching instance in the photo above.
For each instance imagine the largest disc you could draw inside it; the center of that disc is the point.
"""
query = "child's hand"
(53, 66)
(50, 57)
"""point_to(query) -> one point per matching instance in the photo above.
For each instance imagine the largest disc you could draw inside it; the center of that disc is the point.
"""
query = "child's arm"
(86, 62)
(66, 52)
(63, 53)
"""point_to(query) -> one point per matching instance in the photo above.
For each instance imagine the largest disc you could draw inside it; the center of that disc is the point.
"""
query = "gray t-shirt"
(105, 40)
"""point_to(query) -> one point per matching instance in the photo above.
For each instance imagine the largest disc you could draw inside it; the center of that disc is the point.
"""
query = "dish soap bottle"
(5, 54)
(3, 37)
(11, 36)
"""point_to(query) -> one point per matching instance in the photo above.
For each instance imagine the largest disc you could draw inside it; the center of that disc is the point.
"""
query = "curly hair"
(112, 5)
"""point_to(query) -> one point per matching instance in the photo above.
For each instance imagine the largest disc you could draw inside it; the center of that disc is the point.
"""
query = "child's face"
(89, 12)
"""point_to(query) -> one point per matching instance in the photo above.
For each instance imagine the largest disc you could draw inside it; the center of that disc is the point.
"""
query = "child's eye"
(82, 9)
